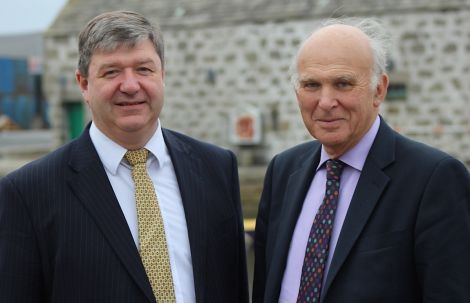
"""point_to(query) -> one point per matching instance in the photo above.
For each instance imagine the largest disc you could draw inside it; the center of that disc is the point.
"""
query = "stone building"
(226, 58)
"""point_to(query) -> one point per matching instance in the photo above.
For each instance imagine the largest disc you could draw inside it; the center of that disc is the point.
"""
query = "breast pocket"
(384, 241)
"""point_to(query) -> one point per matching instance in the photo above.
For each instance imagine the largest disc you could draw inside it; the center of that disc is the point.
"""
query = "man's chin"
(331, 139)
(132, 127)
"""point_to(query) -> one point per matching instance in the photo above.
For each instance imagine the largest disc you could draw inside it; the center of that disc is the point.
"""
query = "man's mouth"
(130, 103)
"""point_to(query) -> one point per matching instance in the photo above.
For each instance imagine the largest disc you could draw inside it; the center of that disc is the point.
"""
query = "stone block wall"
(229, 55)
(433, 49)
(213, 71)
(61, 56)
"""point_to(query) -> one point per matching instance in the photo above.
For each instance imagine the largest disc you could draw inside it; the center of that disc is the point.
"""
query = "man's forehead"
(336, 48)
(122, 45)
(112, 61)
(334, 75)
(334, 40)
(143, 51)
(340, 33)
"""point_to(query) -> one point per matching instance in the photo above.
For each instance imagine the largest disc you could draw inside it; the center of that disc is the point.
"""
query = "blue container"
(45, 113)
(6, 76)
(16, 91)
(20, 67)
(7, 106)
(23, 84)
(22, 80)
(24, 110)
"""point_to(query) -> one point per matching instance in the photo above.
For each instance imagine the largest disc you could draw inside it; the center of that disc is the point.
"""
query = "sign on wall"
(245, 127)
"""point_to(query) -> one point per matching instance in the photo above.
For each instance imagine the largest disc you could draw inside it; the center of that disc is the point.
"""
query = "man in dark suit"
(70, 225)
(398, 227)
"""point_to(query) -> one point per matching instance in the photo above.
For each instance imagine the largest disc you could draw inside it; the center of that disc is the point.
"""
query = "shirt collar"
(356, 156)
(111, 154)
(157, 147)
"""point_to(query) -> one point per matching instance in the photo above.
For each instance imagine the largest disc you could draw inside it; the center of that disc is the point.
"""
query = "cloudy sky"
(25, 16)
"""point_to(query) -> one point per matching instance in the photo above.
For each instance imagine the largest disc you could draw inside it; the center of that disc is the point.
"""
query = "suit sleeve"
(243, 276)
(442, 235)
(259, 279)
(20, 266)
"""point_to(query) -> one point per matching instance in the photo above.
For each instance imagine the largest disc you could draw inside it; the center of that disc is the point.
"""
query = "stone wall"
(433, 50)
(228, 55)
(212, 71)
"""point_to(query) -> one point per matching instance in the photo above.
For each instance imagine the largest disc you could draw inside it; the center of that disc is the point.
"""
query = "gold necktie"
(153, 246)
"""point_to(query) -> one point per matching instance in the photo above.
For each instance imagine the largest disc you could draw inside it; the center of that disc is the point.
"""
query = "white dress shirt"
(162, 173)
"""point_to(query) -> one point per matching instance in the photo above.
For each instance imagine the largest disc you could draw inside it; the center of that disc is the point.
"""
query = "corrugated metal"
(45, 113)
(24, 110)
(17, 95)
(7, 105)
(6, 76)
(21, 109)
(21, 45)
(15, 77)
(22, 78)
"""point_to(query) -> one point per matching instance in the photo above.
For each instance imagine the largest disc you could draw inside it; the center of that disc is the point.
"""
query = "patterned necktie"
(316, 252)
(153, 246)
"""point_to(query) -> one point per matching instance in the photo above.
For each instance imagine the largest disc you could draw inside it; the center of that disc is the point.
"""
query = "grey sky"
(25, 16)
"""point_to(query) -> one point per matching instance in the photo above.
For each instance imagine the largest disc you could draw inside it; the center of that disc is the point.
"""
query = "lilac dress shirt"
(354, 158)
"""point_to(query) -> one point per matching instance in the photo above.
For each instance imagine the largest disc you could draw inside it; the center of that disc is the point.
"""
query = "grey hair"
(379, 41)
(111, 30)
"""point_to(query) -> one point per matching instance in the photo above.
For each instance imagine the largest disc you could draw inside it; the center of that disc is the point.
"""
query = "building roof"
(191, 13)
(21, 45)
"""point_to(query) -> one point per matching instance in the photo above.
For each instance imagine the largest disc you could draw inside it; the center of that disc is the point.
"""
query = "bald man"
(362, 214)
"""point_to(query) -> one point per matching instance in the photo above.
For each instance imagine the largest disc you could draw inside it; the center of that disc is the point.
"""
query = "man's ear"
(82, 84)
(381, 89)
(81, 81)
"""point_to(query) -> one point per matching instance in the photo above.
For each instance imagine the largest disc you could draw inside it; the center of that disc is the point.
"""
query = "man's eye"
(110, 73)
(343, 84)
(310, 85)
(144, 70)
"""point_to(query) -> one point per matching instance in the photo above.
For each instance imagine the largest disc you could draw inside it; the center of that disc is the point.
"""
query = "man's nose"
(130, 83)
(327, 99)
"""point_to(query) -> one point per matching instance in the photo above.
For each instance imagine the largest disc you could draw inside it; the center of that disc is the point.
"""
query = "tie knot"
(137, 156)
(334, 169)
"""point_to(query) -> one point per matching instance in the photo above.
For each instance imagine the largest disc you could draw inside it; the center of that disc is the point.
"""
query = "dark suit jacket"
(64, 238)
(406, 235)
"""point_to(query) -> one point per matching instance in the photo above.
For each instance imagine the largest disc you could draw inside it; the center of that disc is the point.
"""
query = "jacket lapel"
(298, 184)
(370, 186)
(90, 184)
(188, 170)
